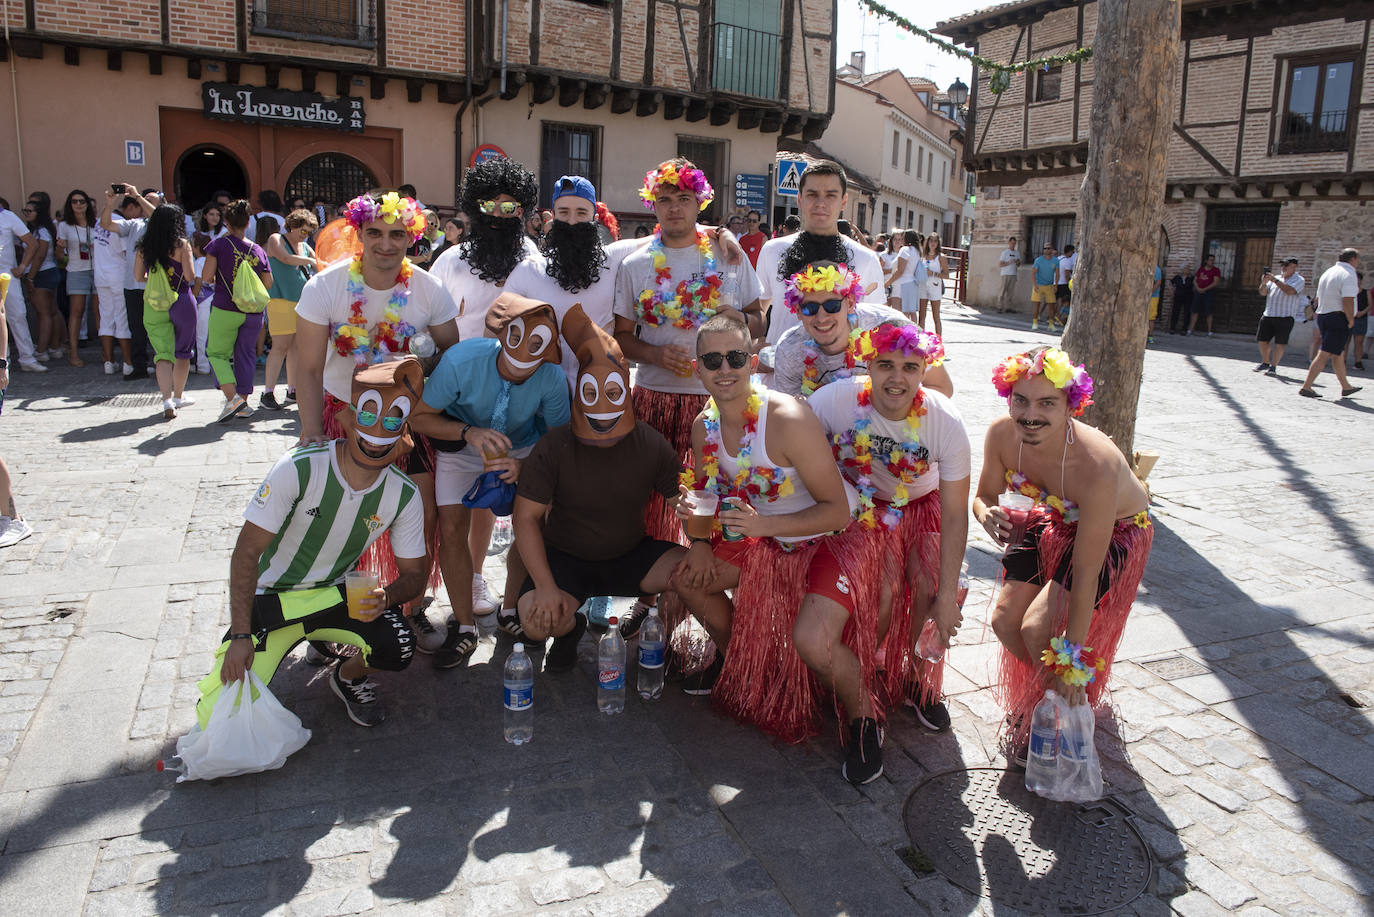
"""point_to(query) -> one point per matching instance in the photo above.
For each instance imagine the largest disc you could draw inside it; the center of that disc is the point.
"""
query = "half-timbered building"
(1271, 153)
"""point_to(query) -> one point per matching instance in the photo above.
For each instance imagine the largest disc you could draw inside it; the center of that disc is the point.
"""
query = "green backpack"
(159, 295)
(248, 294)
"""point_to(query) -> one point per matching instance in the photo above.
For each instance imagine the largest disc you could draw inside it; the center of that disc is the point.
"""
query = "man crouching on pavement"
(318, 509)
(1090, 524)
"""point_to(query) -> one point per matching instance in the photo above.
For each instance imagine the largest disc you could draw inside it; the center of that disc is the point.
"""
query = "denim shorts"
(48, 279)
(80, 283)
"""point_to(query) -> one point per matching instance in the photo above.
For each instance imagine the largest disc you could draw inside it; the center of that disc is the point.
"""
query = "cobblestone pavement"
(1247, 761)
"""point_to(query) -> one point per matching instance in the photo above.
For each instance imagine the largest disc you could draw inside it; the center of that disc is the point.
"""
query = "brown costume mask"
(601, 409)
(384, 394)
(528, 332)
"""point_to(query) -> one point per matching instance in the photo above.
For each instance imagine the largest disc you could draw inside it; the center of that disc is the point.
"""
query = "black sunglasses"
(831, 306)
(712, 360)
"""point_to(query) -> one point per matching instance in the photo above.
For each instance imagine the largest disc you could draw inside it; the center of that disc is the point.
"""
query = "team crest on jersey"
(373, 522)
(842, 583)
(260, 498)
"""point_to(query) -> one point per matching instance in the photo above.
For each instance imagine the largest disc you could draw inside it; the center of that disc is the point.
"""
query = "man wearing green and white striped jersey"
(310, 520)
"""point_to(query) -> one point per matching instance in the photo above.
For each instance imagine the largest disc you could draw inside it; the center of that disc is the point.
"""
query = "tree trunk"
(1135, 61)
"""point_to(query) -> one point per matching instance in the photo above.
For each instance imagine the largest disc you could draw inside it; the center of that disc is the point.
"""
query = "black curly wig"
(810, 249)
(494, 244)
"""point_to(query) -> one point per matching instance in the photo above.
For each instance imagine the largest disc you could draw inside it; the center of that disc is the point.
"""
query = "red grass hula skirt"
(672, 415)
(378, 558)
(1019, 687)
(909, 550)
(764, 681)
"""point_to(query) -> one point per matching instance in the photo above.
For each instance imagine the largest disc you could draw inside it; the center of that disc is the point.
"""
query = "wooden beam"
(515, 81)
(1189, 191)
(647, 103)
(1266, 189)
(545, 88)
(814, 128)
(192, 68)
(1213, 190)
(155, 64)
(71, 55)
(378, 90)
(595, 96)
(451, 92)
(791, 125)
(771, 122)
(273, 75)
(233, 71)
(1294, 188)
(722, 112)
(673, 107)
(308, 77)
(1321, 186)
(343, 83)
(570, 91)
(415, 89)
(623, 99)
(1351, 186)
(750, 118)
(697, 110)
(114, 59)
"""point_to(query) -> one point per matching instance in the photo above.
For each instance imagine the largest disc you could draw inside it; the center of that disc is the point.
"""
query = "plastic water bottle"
(961, 593)
(651, 657)
(502, 535)
(1042, 757)
(172, 765)
(610, 670)
(519, 679)
(929, 646)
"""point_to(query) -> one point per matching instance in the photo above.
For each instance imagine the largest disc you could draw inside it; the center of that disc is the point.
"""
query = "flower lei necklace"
(353, 339)
(811, 373)
(765, 483)
(854, 452)
(691, 302)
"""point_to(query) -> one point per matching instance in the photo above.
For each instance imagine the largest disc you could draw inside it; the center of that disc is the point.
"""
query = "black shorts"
(1335, 332)
(621, 575)
(1022, 562)
(1062, 292)
(1274, 329)
(388, 640)
(420, 459)
(1202, 303)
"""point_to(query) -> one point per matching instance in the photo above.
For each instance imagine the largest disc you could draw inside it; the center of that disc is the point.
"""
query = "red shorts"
(823, 576)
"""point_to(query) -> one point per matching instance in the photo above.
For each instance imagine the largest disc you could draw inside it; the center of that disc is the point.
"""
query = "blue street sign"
(133, 152)
(789, 176)
(751, 191)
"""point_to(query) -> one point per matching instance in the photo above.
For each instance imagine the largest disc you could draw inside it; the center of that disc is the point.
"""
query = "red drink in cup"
(1018, 508)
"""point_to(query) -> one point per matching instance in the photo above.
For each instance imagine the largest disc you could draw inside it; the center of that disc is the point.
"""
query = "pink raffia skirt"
(903, 553)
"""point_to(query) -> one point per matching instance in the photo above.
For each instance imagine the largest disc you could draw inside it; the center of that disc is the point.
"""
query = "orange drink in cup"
(358, 584)
(703, 517)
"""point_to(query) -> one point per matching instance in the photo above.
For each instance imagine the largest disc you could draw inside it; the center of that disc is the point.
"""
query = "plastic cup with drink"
(703, 506)
(1018, 508)
(358, 584)
(687, 356)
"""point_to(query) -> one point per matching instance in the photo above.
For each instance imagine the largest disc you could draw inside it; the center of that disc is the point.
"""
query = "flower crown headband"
(687, 179)
(390, 208)
(908, 339)
(840, 280)
(1054, 365)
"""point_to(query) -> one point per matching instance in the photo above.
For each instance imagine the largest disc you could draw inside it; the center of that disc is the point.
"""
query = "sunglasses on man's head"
(389, 424)
(712, 360)
(831, 306)
(505, 208)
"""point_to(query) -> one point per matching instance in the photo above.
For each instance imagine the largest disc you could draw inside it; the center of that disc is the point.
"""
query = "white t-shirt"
(531, 279)
(109, 257)
(79, 240)
(472, 294)
(1066, 264)
(862, 261)
(11, 228)
(912, 260)
(941, 438)
(887, 259)
(50, 255)
(1009, 259)
(636, 274)
(325, 301)
(789, 359)
(1337, 282)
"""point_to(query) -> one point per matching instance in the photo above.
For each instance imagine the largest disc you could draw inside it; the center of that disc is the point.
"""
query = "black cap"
(1288, 261)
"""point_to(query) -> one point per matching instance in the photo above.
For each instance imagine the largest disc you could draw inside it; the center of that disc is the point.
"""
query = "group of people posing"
(610, 398)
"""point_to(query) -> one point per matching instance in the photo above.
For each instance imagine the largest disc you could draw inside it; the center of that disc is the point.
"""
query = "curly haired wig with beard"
(495, 245)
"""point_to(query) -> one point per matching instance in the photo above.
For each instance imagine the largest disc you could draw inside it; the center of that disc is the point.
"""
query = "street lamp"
(958, 93)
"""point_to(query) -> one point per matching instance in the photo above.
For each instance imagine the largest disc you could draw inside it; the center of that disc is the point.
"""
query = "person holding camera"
(1283, 302)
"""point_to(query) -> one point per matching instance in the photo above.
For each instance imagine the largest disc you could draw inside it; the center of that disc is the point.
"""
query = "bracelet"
(1072, 663)
(705, 541)
(240, 636)
(466, 428)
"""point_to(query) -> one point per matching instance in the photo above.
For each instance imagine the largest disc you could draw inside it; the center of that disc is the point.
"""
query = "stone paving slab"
(1250, 782)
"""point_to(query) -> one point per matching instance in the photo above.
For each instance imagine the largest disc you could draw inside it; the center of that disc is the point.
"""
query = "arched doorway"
(203, 170)
(331, 177)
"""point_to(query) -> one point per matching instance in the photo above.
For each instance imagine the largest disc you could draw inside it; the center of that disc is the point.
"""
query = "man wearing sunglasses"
(765, 456)
(753, 239)
(820, 349)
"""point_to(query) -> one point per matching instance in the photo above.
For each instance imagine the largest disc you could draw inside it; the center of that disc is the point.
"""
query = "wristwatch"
(4, 363)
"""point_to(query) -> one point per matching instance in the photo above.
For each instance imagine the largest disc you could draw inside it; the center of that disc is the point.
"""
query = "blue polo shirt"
(465, 385)
(1045, 269)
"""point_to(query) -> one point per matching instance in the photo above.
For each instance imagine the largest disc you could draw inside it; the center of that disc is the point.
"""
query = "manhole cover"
(129, 401)
(1171, 667)
(985, 832)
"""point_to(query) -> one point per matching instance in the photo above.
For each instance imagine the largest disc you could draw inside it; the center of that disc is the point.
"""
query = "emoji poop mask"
(383, 396)
(601, 411)
(528, 332)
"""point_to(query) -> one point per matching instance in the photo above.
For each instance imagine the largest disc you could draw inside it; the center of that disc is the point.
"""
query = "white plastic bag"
(1078, 776)
(249, 731)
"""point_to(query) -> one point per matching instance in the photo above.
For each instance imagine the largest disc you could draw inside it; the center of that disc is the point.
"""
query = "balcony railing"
(1301, 132)
(337, 22)
(746, 61)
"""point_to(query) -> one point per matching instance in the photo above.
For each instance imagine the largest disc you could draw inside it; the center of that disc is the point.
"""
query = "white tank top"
(800, 498)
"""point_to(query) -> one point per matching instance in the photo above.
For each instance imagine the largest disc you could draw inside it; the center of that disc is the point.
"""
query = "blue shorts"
(1335, 332)
(80, 283)
(48, 279)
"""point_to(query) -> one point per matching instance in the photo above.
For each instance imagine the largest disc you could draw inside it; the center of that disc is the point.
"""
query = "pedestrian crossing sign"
(789, 176)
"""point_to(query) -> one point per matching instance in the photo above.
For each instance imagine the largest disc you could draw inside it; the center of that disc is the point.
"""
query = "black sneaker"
(864, 763)
(933, 716)
(290, 397)
(268, 402)
(456, 648)
(562, 656)
(359, 697)
(629, 625)
(699, 684)
(508, 622)
(1020, 754)
(1272, 371)
(1261, 368)
(427, 636)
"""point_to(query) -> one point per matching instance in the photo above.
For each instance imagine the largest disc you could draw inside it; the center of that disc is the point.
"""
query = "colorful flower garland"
(688, 179)
(763, 483)
(811, 372)
(837, 279)
(1061, 510)
(905, 338)
(389, 208)
(353, 338)
(854, 452)
(1054, 365)
(691, 302)
(1072, 663)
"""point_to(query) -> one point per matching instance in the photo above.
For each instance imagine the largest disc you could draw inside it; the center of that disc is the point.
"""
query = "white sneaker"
(183, 401)
(32, 366)
(203, 370)
(232, 408)
(41, 356)
(482, 601)
(13, 531)
(127, 368)
(57, 353)
(169, 408)
(109, 368)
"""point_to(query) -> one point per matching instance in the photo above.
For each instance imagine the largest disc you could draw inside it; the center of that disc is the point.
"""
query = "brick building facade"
(1271, 153)
(604, 87)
